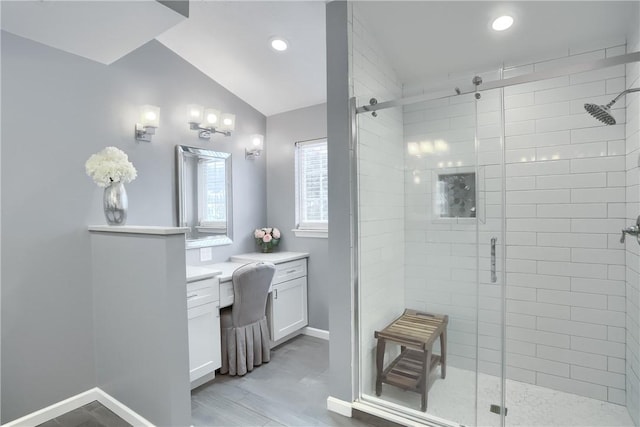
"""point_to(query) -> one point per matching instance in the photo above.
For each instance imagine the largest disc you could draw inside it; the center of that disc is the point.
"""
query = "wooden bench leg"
(379, 365)
(424, 381)
(443, 354)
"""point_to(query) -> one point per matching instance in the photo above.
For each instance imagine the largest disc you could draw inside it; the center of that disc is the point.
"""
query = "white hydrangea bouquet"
(267, 238)
(110, 165)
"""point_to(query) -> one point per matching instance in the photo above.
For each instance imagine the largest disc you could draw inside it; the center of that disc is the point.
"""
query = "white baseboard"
(339, 406)
(314, 332)
(122, 410)
(74, 402)
(45, 414)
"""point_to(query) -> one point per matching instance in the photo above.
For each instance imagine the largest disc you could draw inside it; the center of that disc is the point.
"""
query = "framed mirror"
(204, 196)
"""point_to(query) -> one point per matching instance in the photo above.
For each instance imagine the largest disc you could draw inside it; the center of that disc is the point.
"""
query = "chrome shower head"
(601, 112)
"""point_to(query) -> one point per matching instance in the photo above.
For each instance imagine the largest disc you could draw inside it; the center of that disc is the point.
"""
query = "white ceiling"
(103, 31)
(425, 39)
(229, 42)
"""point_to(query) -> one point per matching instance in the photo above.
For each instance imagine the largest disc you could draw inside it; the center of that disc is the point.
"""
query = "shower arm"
(623, 93)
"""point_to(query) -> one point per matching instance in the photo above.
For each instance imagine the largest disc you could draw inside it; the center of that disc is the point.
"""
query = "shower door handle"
(494, 277)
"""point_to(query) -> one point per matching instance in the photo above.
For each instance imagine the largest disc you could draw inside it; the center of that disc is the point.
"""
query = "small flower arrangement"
(267, 238)
(110, 165)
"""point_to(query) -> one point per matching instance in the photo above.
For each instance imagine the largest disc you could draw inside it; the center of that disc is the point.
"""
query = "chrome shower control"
(494, 277)
(633, 230)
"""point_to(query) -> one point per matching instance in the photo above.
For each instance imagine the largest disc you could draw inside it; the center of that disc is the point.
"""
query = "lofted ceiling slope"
(229, 42)
(103, 31)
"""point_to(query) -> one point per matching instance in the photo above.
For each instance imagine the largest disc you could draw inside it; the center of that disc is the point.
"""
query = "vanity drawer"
(290, 270)
(202, 292)
(226, 293)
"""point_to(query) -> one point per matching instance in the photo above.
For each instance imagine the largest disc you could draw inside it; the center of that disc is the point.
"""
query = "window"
(312, 184)
(212, 198)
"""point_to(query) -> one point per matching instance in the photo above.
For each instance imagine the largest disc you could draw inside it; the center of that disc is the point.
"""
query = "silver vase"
(115, 204)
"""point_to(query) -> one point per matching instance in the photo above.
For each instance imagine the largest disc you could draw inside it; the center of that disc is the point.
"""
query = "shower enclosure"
(497, 200)
(431, 224)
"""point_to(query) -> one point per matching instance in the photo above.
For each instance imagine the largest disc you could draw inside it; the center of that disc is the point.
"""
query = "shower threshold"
(452, 402)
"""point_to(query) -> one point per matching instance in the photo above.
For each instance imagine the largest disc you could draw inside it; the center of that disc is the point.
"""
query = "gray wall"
(140, 324)
(47, 351)
(48, 201)
(343, 366)
(283, 130)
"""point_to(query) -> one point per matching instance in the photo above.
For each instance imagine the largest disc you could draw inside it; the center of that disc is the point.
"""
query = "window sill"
(307, 232)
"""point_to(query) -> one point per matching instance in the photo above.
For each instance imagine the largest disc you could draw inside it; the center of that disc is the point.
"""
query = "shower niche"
(458, 195)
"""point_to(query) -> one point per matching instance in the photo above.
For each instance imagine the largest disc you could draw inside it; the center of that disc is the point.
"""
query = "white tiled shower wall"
(565, 204)
(441, 254)
(632, 247)
(381, 192)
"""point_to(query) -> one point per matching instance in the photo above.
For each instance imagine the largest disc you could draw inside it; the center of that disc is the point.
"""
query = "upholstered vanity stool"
(243, 326)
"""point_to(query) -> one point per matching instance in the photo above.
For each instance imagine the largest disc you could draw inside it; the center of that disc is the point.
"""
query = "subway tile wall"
(632, 300)
(381, 193)
(567, 194)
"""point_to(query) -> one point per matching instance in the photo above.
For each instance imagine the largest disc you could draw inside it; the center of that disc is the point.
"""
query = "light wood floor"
(290, 390)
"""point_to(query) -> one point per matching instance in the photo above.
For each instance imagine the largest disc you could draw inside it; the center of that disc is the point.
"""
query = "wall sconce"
(209, 121)
(256, 147)
(149, 122)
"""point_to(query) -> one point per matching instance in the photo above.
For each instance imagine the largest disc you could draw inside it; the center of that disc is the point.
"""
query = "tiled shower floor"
(527, 405)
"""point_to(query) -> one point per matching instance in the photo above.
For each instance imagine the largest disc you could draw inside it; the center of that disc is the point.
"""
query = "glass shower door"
(432, 173)
(491, 270)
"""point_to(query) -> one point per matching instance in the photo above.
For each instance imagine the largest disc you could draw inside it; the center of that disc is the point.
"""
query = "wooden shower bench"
(415, 332)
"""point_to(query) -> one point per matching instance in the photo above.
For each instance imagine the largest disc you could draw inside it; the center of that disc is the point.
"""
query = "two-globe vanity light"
(209, 121)
(149, 122)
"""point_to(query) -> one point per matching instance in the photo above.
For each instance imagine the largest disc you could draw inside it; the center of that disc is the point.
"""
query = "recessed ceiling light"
(279, 44)
(502, 23)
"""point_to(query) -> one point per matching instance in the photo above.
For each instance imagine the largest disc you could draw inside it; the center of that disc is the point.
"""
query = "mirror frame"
(181, 150)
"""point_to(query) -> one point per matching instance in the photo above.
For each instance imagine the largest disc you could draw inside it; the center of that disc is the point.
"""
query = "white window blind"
(212, 198)
(312, 184)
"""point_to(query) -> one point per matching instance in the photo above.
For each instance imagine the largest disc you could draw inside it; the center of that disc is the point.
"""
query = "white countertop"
(138, 229)
(226, 268)
(274, 257)
(223, 270)
(197, 272)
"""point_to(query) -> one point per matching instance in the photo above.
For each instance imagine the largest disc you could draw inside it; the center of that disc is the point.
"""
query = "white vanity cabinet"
(287, 306)
(203, 312)
(287, 303)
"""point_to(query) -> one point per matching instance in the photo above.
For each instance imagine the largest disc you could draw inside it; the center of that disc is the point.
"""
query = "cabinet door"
(204, 340)
(288, 308)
